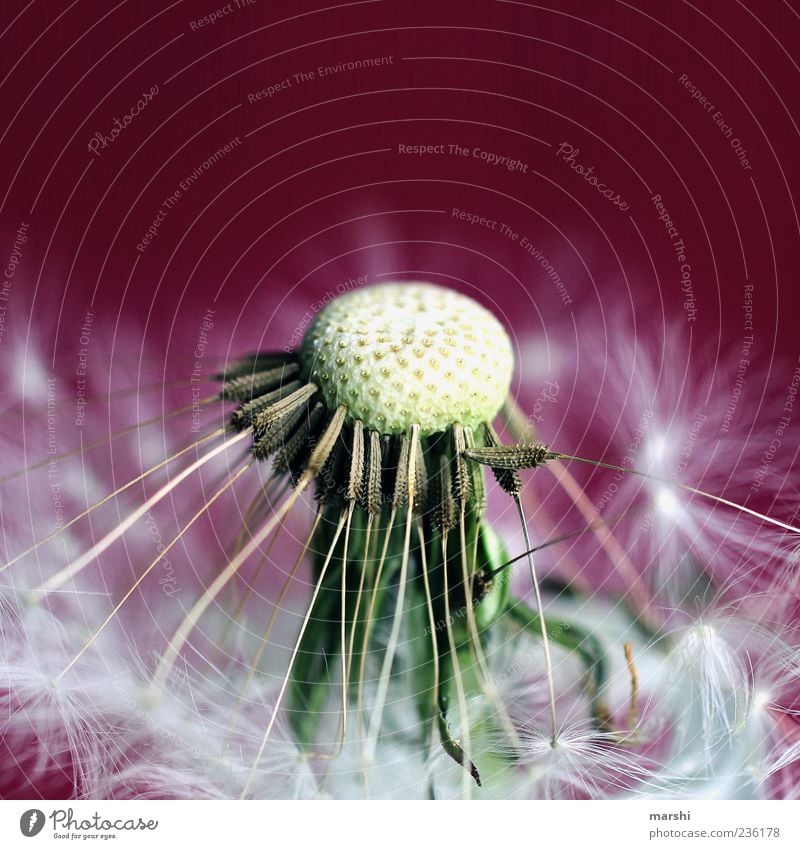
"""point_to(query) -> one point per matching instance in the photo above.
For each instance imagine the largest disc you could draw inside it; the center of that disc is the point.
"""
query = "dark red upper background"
(316, 191)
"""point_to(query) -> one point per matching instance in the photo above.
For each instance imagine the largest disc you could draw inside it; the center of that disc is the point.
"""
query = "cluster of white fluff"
(718, 665)
(714, 721)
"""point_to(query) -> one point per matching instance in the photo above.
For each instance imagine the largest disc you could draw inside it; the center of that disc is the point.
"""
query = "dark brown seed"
(246, 414)
(460, 476)
(290, 457)
(250, 386)
(284, 406)
(374, 473)
(322, 450)
(400, 497)
(477, 483)
(330, 480)
(420, 479)
(278, 435)
(507, 479)
(355, 482)
(444, 511)
(520, 456)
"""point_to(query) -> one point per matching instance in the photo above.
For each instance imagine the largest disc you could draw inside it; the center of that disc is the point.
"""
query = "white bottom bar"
(495, 825)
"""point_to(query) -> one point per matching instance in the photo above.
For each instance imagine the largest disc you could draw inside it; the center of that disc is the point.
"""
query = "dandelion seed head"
(707, 707)
(409, 353)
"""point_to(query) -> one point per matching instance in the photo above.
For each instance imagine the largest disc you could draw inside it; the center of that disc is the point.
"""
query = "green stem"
(573, 639)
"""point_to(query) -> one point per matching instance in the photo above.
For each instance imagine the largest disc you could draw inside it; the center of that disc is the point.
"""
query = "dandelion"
(410, 669)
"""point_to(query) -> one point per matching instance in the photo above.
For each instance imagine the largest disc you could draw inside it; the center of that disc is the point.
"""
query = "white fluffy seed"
(399, 354)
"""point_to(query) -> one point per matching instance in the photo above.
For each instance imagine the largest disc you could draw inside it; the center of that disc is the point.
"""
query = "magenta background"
(318, 193)
(313, 198)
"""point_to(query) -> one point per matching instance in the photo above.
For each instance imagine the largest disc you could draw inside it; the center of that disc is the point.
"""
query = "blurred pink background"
(110, 109)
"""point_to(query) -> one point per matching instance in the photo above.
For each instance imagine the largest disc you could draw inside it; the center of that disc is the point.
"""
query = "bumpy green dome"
(399, 354)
